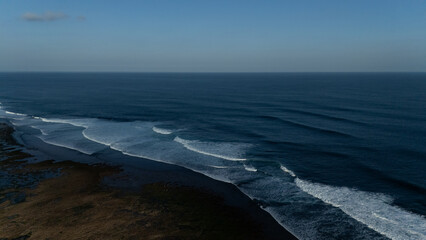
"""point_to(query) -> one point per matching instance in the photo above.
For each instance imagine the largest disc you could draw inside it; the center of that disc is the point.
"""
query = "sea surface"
(328, 155)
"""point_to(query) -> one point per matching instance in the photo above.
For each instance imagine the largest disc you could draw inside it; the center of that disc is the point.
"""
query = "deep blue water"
(329, 155)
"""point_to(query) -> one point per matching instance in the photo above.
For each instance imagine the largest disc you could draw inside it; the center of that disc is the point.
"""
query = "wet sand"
(68, 199)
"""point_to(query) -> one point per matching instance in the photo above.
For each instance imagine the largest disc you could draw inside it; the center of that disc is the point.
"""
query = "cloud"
(45, 17)
(81, 18)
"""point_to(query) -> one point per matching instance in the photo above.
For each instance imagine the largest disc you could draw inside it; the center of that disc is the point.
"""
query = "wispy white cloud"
(45, 17)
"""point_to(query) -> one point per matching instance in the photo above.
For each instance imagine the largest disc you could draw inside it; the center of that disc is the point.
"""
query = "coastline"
(167, 201)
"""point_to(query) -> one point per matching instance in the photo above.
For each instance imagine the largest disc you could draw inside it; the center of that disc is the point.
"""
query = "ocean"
(328, 155)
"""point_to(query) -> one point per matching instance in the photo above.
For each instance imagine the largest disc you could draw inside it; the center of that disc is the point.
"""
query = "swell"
(306, 127)
(374, 111)
(304, 186)
(324, 116)
(316, 150)
(404, 184)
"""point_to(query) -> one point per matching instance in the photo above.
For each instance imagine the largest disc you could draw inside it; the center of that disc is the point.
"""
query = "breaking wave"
(287, 171)
(227, 151)
(162, 130)
(373, 209)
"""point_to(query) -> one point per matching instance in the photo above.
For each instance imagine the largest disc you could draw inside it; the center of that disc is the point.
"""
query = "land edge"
(161, 192)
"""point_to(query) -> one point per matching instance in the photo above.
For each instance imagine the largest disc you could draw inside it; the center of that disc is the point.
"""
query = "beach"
(53, 195)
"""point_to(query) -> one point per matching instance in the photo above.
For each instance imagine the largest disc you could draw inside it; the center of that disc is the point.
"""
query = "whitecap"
(288, 171)
(227, 151)
(82, 122)
(372, 209)
(250, 168)
(219, 167)
(162, 130)
(14, 113)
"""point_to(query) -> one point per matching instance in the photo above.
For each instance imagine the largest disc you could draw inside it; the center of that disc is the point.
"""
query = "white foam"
(219, 167)
(219, 178)
(11, 115)
(250, 168)
(138, 155)
(69, 146)
(372, 209)
(288, 171)
(108, 133)
(14, 113)
(127, 134)
(162, 130)
(125, 137)
(83, 122)
(217, 150)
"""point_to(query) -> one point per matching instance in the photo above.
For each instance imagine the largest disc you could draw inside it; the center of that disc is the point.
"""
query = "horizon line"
(218, 72)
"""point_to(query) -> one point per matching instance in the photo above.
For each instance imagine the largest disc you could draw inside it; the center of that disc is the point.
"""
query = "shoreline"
(176, 187)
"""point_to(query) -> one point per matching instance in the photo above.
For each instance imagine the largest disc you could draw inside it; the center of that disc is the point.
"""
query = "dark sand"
(71, 199)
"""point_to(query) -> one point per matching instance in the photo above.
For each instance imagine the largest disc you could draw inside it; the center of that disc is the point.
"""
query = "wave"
(398, 181)
(79, 122)
(219, 167)
(69, 146)
(216, 177)
(40, 129)
(307, 127)
(233, 151)
(287, 171)
(128, 134)
(250, 168)
(162, 130)
(6, 114)
(372, 209)
(73, 141)
(14, 113)
(323, 116)
(139, 139)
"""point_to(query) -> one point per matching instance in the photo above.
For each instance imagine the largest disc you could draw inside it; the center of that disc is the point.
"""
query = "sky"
(213, 36)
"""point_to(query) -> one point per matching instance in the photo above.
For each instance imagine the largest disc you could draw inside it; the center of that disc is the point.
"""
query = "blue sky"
(213, 36)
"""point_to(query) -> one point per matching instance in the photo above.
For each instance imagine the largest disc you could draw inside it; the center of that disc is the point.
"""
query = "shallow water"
(330, 156)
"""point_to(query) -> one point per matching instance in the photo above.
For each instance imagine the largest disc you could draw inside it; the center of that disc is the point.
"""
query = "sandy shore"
(68, 199)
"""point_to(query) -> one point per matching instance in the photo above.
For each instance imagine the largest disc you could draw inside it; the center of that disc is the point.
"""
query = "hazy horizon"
(220, 36)
(206, 72)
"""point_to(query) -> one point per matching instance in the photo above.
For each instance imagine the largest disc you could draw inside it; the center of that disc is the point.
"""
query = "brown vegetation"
(76, 205)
